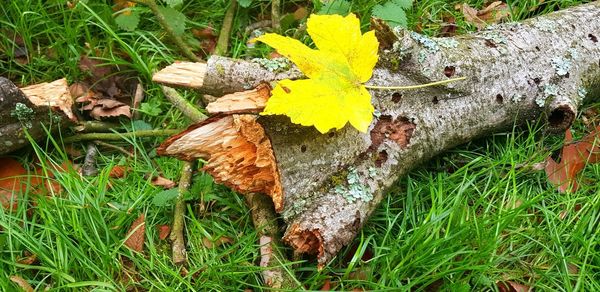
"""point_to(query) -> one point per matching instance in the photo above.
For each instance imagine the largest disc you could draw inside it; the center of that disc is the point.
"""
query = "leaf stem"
(415, 86)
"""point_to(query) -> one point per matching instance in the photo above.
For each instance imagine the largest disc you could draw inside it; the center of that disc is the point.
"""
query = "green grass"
(464, 221)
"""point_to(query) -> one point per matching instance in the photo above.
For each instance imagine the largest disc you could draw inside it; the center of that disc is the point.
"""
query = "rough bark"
(515, 72)
(29, 111)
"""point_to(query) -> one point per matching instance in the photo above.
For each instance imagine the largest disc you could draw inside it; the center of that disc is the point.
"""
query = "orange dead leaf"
(574, 157)
(326, 285)
(123, 4)
(137, 234)
(22, 283)
(163, 231)
(11, 172)
(118, 171)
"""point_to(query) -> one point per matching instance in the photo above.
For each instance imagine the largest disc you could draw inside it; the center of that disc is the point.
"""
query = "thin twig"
(186, 107)
(137, 100)
(177, 238)
(120, 136)
(96, 126)
(415, 86)
(178, 40)
(275, 14)
(223, 41)
(114, 147)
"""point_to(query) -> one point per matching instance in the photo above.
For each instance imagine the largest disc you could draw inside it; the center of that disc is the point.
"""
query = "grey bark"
(18, 116)
(515, 72)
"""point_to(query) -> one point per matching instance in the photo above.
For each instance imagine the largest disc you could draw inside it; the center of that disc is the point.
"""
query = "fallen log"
(326, 186)
(32, 111)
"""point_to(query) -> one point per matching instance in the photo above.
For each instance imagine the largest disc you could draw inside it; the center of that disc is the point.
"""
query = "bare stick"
(275, 14)
(223, 41)
(183, 47)
(177, 238)
(120, 136)
(186, 107)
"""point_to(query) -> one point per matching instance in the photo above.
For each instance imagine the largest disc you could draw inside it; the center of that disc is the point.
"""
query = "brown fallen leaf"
(449, 26)
(137, 234)
(163, 231)
(217, 242)
(11, 182)
(326, 285)
(511, 286)
(28, 259)
(493, 13)
(117, 171)
(22, 283)
(123, 4)
(160, 181)
(574, 157)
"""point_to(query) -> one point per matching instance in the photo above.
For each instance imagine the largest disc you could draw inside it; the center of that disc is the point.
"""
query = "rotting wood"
(30, 111)
(517, 72)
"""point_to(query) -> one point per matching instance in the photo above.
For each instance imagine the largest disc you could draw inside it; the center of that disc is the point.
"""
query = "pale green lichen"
(293, 210)
(581, 93)
(422, 56)
(550, 90)
(354, 190)
(273, 65)
(561, 66)
(23, 113)
(430, 45)
(447, 43)
(574, 53)
(517, 98)
(494, 36)
(545, 25)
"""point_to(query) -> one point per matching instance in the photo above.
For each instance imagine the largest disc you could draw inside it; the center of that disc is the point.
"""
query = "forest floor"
(479, 217)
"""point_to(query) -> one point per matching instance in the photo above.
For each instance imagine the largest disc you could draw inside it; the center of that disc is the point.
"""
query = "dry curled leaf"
(137, 234)
(512, 286)
(160, 181)
(22, 283)
(208, 243)
(493, 13)
(117, 171)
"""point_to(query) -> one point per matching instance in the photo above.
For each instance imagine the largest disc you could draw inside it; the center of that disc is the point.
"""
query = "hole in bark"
(537, 80)
(449, 71)
(399, 130)
(305, 241)
(303, 148)
(331, 134)
(593, 38)
(537, 48)
(435, 100)
(499, 98)
(561, 118)
(490, 44)
(382, 157)
(396, 97)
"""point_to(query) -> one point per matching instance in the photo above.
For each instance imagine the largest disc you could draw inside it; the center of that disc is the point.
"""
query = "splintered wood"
(186, 74)
(52, 94)
(238, 154)
(250, 101)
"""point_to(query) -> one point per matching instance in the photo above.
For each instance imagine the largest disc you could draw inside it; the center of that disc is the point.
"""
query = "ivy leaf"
(245, 3)
(128, 22)
(341, 7)
(393, 12)
(333, 95)
(175, 19)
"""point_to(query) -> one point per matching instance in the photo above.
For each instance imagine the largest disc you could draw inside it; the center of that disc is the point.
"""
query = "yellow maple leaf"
(334, 93)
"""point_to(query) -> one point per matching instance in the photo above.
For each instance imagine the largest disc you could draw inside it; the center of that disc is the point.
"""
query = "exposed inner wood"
(186, 74)
(249, 101)
(238, 154)
(53, 94)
